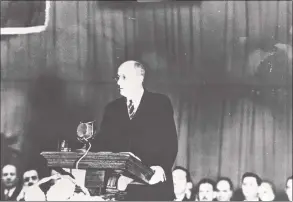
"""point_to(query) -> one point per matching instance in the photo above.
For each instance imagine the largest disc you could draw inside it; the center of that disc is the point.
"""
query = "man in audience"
(266, 191)
(224, 189)
(250, 184)
(60, 186)
(9, 183)
(30, 178)
(182, 184)
(206, 190)
(289, 188)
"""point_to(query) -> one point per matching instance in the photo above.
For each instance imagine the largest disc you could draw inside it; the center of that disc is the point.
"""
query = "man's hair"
(30, 169)
(289, 178)
(188, 177)
(140, 67)
(227, 180)
(10, 164)
(206, 181)
(251, 174)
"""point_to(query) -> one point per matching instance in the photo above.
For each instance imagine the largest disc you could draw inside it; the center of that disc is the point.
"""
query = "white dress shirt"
(136, 98)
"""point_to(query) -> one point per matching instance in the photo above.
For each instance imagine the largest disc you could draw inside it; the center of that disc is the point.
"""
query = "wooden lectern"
(102, 169)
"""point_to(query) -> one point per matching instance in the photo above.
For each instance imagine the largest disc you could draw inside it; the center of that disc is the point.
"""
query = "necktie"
(7, 194)
(130, 108)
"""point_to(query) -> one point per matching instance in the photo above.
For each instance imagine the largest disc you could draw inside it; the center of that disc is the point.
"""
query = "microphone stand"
(84, 147)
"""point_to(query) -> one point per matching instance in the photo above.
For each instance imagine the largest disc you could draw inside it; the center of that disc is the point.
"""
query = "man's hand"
(159, 175)
(123, 182)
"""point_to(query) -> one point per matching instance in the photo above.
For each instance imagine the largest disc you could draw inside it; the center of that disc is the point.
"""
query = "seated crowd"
(61, 185)
(253, 188)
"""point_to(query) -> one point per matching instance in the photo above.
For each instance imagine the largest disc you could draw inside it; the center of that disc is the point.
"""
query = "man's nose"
(118, 81)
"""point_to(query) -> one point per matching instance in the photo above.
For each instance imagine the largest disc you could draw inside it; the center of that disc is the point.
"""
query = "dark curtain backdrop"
(226, 66)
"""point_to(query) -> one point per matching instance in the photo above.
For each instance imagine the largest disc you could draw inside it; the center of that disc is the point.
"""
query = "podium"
(102, 169)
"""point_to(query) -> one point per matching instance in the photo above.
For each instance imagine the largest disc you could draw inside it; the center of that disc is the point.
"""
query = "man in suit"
(182, 184)
(9, 183)
(30, 178)
(141, 122)
(206, 190)
(224, 189)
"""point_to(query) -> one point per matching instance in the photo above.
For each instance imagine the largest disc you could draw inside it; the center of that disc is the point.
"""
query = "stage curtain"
(226, 67)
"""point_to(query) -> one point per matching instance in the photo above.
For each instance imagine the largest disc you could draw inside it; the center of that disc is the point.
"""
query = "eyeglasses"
(27, 179)
(117, 77)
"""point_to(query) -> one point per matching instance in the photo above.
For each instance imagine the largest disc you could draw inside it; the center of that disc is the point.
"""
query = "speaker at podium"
(24, 17)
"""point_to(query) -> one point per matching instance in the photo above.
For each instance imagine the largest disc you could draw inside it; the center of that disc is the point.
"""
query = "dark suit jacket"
(151, 135)
(13, 196)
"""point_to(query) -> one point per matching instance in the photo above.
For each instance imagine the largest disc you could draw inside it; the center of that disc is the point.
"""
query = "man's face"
(224, 191)
(30, 178)
(9, 177)
(206, 192)
(266, 192)
(289, 189)
(249, 187)
(179, 181)
(128, 79)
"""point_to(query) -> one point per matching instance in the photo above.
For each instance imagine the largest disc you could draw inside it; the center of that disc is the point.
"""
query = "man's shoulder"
(157, 96)
(115, 103)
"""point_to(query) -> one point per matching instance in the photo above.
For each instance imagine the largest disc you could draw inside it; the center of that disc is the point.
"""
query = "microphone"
(85, 132)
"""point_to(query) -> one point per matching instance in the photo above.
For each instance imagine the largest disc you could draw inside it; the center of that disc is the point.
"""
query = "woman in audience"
(266, 191)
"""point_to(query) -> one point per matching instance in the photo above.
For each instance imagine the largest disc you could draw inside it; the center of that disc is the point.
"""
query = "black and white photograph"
(146, 100)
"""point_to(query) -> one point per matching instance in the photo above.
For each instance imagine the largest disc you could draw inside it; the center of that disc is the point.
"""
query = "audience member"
(30, 178)
(206, 190)
(182, 184)
(224, 189)
(58, 187)
(288, 188)
(250, 184)
(266, 191)
(10, 188)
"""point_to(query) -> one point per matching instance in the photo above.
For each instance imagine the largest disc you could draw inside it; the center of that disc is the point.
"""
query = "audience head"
(130, 77)
(266, 191)
(9, 176)
(182, 181)
(289, 188)
(30, 177)
(206, 190)
(224, 189)
(250, 184)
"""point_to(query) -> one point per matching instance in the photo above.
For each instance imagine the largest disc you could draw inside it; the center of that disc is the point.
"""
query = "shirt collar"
(136, 98)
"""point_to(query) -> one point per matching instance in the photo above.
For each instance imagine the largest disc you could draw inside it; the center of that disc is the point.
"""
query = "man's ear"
(189, 185)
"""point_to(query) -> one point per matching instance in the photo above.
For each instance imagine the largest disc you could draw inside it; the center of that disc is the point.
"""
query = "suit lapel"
(141, 105)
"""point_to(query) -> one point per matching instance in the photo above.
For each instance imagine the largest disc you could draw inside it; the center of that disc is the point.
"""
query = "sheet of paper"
(79, 175)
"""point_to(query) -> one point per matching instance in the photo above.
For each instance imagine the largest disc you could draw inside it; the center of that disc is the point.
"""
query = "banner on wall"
(24, 17)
